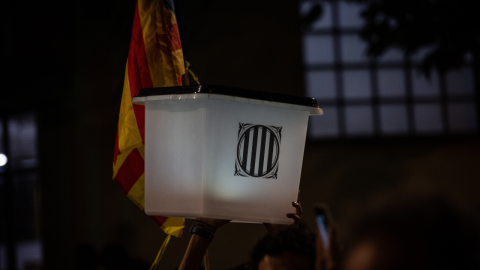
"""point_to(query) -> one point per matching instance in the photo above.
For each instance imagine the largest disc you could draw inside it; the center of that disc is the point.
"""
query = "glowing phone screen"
(322, 228)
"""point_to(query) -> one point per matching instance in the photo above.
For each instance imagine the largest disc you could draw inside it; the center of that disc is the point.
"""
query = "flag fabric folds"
(155, 59)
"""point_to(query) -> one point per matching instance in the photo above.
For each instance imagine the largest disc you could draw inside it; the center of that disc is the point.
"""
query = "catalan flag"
(155, 59)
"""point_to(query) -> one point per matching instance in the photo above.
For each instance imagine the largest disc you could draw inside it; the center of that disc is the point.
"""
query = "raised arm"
(202, 234)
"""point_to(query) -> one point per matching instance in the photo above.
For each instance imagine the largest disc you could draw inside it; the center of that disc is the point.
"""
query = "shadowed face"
(381, 255)
(285, 261)
(362, 257)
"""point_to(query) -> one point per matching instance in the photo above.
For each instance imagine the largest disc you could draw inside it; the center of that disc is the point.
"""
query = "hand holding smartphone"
(322, 224)
(329, 251)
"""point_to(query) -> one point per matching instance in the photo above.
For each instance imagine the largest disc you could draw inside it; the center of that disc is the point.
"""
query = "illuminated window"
(19, 193)
(387, 96)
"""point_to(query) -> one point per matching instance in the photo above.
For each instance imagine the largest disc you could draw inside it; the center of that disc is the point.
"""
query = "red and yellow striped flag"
(155, 59)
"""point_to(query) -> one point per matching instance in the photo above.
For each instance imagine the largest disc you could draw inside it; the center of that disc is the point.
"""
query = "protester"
(204, 229)
(289, 249)
(412, 231)
(403, 231)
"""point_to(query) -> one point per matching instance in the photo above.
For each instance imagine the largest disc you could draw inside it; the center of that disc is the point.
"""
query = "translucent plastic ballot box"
(220, 152)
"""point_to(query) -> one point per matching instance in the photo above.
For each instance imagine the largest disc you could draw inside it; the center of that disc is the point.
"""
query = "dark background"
(65, 62)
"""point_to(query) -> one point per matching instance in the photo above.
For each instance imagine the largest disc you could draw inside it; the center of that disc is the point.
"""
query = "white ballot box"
(220, 152)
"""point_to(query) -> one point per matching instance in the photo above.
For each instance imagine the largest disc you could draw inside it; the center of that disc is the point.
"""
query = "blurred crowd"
(397, 231)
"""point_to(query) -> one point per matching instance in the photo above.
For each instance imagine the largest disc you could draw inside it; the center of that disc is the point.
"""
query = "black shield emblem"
(258, 151)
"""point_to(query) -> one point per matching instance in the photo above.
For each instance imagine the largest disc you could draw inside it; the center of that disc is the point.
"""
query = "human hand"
(295, 216)
(298, 213)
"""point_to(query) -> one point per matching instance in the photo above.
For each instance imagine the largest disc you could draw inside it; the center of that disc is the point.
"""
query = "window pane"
(353, 49)
(357, 84)
(25, 192)
(3, 223)
(393, 119)
(1, 137)
(321, 85)
(391, 55)
(359, 120)
(26, 205)
(350, 14)
(422, 87)
(325, 19)
(29, 254)
(421, 53)
(460, 82)
(462, 117)
(318, 49)
(22, 133)
(428, 118)
(3, 157)
(325, 125)
(28, 247)
(391, 83)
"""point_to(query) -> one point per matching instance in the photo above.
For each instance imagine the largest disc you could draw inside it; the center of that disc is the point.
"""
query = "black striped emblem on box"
(258, 150)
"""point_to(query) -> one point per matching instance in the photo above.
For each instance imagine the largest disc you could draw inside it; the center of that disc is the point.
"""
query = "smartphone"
(322, 224)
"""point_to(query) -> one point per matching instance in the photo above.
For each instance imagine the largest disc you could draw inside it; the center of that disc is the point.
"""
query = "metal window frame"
(375, 101)
(8, 200)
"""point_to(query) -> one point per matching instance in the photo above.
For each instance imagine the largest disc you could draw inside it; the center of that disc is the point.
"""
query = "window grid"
(19, 240)
(376, 67)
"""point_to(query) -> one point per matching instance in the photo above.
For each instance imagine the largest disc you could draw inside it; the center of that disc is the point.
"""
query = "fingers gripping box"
(220, 152)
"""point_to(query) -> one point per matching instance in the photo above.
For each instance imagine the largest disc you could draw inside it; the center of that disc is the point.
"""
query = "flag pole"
(206, 261)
